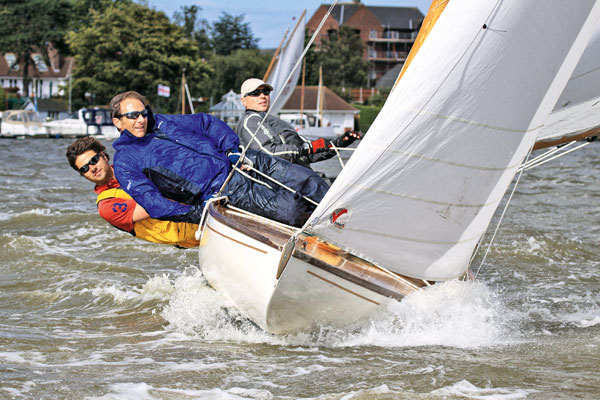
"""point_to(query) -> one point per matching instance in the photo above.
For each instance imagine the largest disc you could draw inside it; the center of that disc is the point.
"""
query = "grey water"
(89, 312)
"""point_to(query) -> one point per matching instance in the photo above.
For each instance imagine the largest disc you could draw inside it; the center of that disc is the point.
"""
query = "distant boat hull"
(320, 285)
(21, 124)
(89, 122)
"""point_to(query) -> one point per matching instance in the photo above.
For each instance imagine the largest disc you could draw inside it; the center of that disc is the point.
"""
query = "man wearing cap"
(277, 137)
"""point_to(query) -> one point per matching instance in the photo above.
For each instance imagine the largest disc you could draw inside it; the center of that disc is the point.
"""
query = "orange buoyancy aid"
(153, 230)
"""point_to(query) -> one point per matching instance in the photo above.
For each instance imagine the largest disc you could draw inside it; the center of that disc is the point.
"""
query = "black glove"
(316, 146)
(346, 139)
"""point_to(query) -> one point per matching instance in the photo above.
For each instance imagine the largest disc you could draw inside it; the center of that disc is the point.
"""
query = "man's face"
(257, 103)
(136, 126)
(100, 173)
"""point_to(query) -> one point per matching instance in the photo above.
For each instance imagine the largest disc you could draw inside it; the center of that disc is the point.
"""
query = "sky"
(268, 19)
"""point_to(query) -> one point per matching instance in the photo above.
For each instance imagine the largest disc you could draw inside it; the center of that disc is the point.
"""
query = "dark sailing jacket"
(182, 157)
(275, 137)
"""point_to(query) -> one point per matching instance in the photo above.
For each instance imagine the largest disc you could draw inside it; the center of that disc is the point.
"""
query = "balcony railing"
(387, 55)
(392, 36)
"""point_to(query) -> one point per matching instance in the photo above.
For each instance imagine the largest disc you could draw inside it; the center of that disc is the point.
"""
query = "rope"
(503, 213)
(200, 230)
(312, 39)
(528, 167)
(280, 184)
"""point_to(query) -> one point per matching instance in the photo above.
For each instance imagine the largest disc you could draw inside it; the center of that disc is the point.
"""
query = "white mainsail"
(422, 187)
(578, 107)
(288, 57)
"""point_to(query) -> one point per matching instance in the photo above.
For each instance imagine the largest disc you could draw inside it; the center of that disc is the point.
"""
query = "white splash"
(457, 314)
(465, 389)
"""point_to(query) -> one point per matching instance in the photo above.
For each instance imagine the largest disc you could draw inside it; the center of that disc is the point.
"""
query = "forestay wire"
(306, 48)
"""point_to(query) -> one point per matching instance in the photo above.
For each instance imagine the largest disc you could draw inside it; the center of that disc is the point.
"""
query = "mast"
(183, 91)
(302, 94)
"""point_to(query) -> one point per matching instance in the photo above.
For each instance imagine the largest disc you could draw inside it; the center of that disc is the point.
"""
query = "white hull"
(89, 122)
(320, 285)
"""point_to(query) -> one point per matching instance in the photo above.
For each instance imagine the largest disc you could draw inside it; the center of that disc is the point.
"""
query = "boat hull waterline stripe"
(341, 287)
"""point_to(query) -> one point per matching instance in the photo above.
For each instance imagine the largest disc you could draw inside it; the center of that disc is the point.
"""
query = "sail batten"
(424, 183)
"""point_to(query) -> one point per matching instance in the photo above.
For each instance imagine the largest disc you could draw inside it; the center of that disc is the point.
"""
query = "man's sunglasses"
(93, 161)
(134, 114)
(257, 92)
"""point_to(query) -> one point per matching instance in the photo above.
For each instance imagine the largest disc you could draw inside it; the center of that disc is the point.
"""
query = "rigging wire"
(260, 125)
(503, 213)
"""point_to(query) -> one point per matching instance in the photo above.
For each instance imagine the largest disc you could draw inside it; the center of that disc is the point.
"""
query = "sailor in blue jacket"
(172, 164)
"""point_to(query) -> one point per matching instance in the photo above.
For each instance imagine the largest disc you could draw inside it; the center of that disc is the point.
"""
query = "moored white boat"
(87, 122)
(21, 124)
(419, 193)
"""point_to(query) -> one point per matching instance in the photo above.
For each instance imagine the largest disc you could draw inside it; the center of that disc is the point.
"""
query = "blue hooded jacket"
(182, 157)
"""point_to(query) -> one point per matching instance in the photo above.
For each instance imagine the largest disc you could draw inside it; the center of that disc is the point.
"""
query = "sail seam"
(452, 163)
(436, 202)
(471, 122)
(415, 240)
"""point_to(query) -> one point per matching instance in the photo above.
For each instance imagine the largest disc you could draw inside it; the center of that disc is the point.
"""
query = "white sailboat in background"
(279, 76)
(576, 115)
(420, 191)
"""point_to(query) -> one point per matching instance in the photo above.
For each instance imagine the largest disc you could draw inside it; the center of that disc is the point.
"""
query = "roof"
(230, 101)
(47, 72)
(389, 78)
(331, 101)
(398, 17)
(389, 17)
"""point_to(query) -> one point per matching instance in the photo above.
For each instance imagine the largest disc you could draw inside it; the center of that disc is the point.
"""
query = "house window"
(39, 62)
(373, 34)
(11, 60)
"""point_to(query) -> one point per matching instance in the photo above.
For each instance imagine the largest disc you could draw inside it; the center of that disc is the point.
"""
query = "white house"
(337, 113)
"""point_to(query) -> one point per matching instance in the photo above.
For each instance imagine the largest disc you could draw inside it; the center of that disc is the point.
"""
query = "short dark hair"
(115, 103)
(82, 145)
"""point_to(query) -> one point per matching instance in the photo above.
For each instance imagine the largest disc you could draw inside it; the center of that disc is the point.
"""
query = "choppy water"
(90, 312)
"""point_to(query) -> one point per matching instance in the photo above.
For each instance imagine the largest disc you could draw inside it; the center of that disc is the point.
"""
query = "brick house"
(388, 33)
(46, 80)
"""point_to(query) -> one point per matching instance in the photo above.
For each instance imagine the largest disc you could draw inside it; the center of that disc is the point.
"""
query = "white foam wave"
(457, 314)
(198, 310)
(143, 391)
(466, 389)
(156, 288)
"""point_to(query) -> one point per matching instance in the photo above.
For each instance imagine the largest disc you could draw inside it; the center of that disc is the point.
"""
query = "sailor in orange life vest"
(88, 156)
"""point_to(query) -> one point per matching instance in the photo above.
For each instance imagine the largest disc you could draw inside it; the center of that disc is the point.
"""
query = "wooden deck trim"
(299, 252)
(234, 240)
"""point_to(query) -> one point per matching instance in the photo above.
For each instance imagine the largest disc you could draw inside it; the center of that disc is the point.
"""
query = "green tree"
(341, 58)
(194, 27)
(2, 99)
(230, 33)
(26, 28)
(232, 70)
(131, 47)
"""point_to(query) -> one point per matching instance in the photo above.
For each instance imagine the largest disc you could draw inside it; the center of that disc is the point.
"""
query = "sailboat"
(279, 76)
(418, 194)
(576, 114)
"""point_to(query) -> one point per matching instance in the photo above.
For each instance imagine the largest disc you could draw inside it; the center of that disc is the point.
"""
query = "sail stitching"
(468, 47)
(471, 122)
(440, 203)
(408, 239)
(452, 163)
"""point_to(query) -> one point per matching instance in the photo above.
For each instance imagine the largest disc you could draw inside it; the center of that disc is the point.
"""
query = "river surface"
(89, 312)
